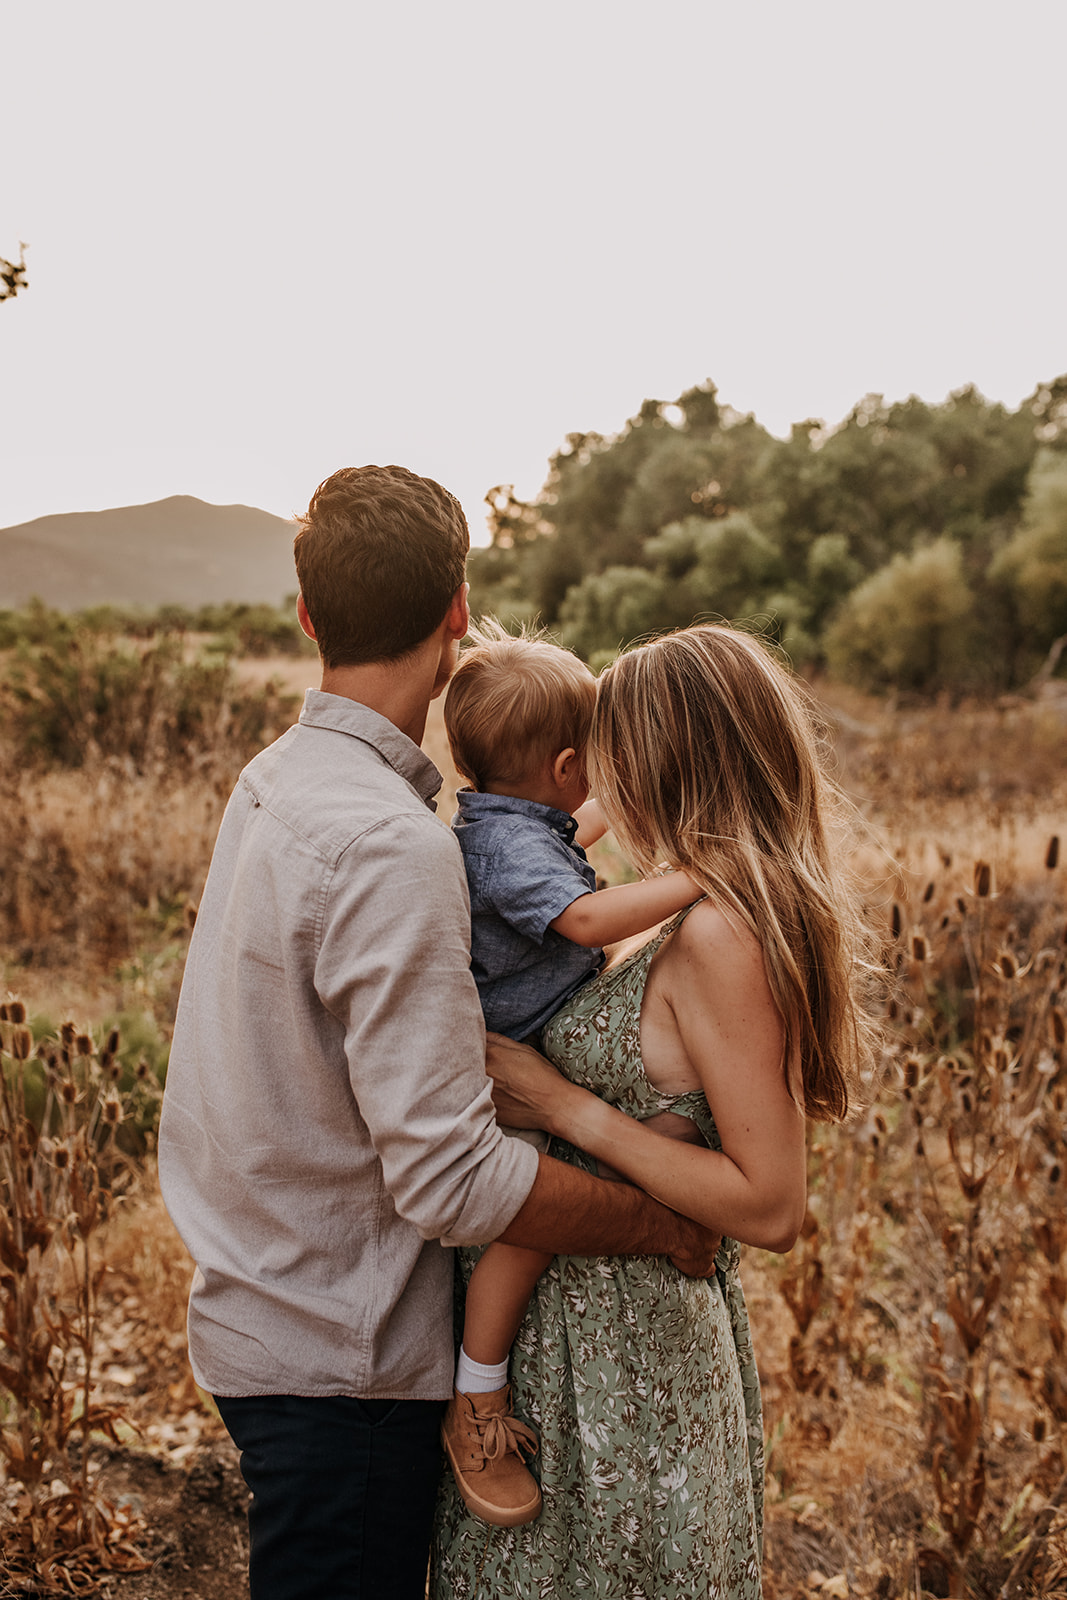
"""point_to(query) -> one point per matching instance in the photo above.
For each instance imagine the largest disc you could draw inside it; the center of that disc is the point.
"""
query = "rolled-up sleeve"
(393, 967)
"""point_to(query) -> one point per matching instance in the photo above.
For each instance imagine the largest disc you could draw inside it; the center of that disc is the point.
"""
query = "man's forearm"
(569, 1212)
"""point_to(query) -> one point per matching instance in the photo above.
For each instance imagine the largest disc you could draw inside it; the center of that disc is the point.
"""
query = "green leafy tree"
(724, 567)
(1033, 565)
(909, 625)
(612, 608)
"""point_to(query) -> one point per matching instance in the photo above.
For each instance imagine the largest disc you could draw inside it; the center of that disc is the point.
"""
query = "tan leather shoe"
(485, 1444)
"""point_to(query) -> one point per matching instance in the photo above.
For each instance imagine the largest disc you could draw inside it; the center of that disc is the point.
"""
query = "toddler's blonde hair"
(513, 703)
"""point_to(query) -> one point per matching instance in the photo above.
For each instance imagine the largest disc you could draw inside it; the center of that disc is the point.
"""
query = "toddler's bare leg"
(484, 1440)
(497, 1296)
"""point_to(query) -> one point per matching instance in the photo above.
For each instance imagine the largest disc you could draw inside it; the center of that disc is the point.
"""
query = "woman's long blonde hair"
(705, 754)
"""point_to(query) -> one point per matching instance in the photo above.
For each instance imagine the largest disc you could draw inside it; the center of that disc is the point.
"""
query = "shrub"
(91, 695)
(908, 626)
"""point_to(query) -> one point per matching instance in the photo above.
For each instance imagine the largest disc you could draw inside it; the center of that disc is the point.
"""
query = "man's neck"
(400, 691)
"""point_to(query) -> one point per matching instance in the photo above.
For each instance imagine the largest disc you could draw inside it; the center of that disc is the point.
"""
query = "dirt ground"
(195, 1515)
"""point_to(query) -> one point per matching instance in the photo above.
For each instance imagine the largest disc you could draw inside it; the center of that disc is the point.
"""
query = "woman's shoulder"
(712, 948)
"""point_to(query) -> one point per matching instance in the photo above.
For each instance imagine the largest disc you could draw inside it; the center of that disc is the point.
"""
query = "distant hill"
(179, 551)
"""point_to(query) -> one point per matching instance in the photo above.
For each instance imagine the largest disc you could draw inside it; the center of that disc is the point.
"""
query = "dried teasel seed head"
(966, 1100)
(1052, 854)
(919, 948)
(112, 1110)
(83, 1045)
(142, 1070)
(114, 1070)
(920, 1149)
(190, 916)
(112, 1042)
(911, 1072)
(928, 892)
(61, 1156)
(1057, 1026)
(68, 1093)
(983, 879)
(880, 1123)
(1039, 1430)
(892, 1010)
(1006, 965)
(1055, 1172)
(67, 1034)
(16, 1012)
(945, 920)
(896, 922)
(22, 1044)
(3, 1012)
(961, 905)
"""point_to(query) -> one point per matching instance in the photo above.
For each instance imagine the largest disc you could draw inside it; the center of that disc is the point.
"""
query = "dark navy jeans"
(343, 1494)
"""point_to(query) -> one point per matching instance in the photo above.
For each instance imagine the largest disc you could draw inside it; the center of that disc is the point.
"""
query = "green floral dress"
(641, 1382)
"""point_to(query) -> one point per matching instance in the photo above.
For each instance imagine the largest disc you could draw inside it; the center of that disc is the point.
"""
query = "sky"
(266, 241)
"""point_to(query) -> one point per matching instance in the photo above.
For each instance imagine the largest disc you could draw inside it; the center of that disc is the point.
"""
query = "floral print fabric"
(641, 1383)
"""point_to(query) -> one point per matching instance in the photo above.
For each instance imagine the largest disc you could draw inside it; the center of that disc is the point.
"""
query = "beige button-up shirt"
(327, 1117)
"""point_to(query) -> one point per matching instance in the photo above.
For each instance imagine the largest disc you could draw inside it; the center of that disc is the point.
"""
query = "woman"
(704, 1051)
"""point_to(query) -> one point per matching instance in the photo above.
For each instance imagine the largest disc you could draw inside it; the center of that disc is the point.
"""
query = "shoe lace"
(499, 1434)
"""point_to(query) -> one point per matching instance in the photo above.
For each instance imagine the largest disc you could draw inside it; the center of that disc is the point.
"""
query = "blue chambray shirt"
(523, 871)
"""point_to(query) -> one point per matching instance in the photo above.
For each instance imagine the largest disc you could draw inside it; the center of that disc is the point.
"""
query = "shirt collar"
(341, 715)
(475, 806)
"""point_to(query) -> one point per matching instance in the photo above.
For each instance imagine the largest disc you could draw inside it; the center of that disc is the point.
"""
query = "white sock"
(473, 1378)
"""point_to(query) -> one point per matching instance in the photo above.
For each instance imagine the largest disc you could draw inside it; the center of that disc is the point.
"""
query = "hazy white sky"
(270, 240)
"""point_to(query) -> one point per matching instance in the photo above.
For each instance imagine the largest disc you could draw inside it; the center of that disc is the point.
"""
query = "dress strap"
(641, 959)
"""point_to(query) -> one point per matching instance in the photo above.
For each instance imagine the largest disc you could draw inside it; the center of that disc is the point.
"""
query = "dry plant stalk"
(984, 1086)
(936, 1239)
(61, 1171)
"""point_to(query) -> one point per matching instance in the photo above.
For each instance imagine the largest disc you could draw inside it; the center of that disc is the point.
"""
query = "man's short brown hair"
(513, 704)
(379, 556)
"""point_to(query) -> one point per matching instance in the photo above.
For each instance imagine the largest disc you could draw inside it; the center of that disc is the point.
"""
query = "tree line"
(918, 547)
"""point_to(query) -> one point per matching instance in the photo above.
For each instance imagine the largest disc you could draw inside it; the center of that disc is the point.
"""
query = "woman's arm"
(754, 1189)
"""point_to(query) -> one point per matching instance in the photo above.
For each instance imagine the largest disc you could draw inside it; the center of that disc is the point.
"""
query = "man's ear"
(458, 616)
(302, 617)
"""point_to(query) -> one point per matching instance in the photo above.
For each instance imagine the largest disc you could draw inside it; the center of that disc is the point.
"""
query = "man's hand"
(528, 1092)
(698, 1259)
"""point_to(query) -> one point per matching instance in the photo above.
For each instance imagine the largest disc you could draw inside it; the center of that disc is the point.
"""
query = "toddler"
(517, 714)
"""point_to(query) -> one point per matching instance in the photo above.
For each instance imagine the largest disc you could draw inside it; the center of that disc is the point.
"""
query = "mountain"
(179, 551)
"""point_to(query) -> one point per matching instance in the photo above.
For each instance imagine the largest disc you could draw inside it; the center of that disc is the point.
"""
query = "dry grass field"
(911, 1347)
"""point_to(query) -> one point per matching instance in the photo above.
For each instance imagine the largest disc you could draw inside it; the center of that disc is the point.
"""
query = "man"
(328, 1125)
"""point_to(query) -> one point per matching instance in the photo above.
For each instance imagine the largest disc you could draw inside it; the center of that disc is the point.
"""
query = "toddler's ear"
(564, 768)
